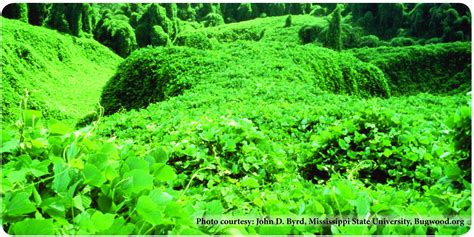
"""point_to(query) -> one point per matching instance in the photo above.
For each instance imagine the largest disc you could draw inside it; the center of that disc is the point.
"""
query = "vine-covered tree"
(288, 21)
(37, 13)
(71, 18)
(16, 11)
(73, 14)
(117, 34)
(244, 12)
(334, 33)
(213, 19)
(155, 15)
(56, 18)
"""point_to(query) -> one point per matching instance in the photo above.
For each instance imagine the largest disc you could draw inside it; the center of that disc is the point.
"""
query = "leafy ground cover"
(63, 75)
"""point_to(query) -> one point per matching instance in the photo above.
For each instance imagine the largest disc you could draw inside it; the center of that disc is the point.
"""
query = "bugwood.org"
(446, 221)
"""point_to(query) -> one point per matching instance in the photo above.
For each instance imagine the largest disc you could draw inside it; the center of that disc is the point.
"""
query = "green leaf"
(453, 172)
(343, 144)
(119, 227)
(138, 181)
(137, 163)
(32, 117)
(9, 144)
(149, 210)
(61, 177)
(33, 227)
(387, 152)
(214, 208)
(250, 182)
(159, 155)
(54, 206)
(59, 129)
(102, 221)
(317, 208)
(19, 205)
(362, 205)
(93, 176)
(165, 173)
(77, 202)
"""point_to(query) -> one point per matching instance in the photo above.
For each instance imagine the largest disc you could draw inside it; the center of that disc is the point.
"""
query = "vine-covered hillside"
(236, 119)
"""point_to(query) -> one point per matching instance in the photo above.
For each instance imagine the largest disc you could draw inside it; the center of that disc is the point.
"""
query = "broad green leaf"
(20, 204)
(77, 202)
(453, 172)
(111, 150)
(214, 208)
(93, 176)
(138, 181)
(160, 197)
(387, 152)
(119, 227)
(159, 155)
(102, 221)
(165, 173)
(316, 208)
(9, 146)
(54, 206)
(32, 117)
(61, 177)
(33, 227)
(39, 168)
(149, 210)
(343, 144)
(137, 163)
(59, 129)
(362, 205)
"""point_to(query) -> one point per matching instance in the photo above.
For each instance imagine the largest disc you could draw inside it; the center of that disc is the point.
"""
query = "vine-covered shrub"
(213, 19)
(309, 33)
(153, 74)
(431, 68)
(370, 41)
(198, 40)
(402, 41)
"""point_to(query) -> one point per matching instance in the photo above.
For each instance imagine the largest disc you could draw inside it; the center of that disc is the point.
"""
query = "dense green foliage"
(437, 68)
(152, 75)
(50, 67)
(236, 111)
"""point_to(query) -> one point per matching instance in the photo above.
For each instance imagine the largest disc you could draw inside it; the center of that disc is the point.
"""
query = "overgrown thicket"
(154, 74)
(126, 27)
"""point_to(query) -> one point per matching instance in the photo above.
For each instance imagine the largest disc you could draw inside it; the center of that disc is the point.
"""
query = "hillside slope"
(155, 74)
(62, 74)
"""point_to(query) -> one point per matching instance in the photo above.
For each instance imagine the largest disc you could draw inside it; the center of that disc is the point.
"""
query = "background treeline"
(126, 27)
